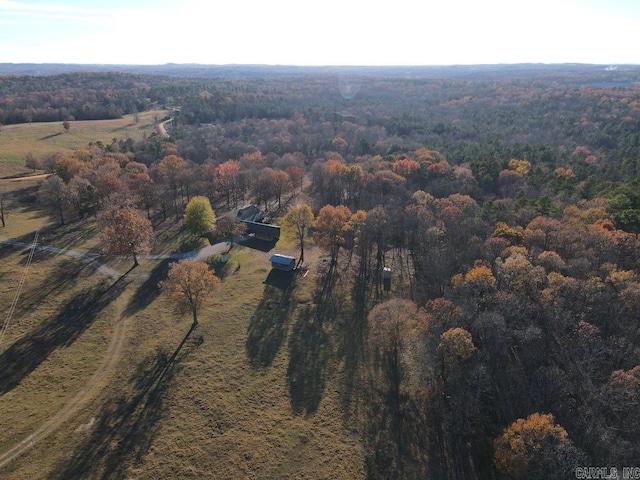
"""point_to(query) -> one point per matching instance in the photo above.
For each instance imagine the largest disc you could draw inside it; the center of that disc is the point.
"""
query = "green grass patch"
(16, 141)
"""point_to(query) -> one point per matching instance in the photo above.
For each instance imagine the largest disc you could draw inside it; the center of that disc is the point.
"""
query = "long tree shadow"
(310, 347)
(125, 428)
(351, 350)
(7, 248)
(67, 273)
(309, 353)
(53, 236)
(50, 136)
(69, 237)
(27, 353)
(268, 326)
(395, 433)
(149, 290)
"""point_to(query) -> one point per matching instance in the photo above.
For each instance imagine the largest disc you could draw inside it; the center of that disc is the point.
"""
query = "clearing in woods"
(16, 141)
(104, 383)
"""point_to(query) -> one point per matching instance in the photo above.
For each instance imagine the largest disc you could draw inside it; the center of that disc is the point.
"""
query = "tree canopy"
(188, 286)
(199, 216)
(299, 219)
(126, 232)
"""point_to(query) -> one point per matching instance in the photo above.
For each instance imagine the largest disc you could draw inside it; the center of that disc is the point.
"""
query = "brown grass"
(257, 391)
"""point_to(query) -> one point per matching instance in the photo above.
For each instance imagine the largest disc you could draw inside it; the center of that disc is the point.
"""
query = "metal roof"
(282, 259)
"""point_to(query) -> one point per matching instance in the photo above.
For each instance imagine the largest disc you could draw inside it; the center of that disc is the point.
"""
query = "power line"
(12, 309)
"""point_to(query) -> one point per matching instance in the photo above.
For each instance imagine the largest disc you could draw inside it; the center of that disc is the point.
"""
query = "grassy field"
(263, 388)
(16, 141)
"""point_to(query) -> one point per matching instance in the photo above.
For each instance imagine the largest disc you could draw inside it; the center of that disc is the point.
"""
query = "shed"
(386, 279)
(283, 262)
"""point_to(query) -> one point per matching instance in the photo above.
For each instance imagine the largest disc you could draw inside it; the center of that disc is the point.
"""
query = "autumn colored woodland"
(506, 202)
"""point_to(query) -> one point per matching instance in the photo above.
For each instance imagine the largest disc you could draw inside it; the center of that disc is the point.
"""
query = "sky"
(313, 32)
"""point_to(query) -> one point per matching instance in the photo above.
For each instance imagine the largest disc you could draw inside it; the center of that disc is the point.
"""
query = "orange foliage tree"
(405, 167)
(456, 345)
(479, 278)
(331, 224)
(536, 447)
(227, 180)
(188, 285)
(171, 167)
(126, 232)
(390, 324)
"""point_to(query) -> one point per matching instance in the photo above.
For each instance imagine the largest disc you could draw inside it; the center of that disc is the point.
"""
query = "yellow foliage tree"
(299, 219)
(331, 224)
(536, 447)
(456, 345)
(520, 166)
(480, 277)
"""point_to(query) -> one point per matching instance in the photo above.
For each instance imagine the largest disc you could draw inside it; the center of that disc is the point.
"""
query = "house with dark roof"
(263, 231)
(253, 218)
(251, 214)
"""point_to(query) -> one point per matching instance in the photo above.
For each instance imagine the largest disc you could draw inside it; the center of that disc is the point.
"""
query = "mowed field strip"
(16, 141)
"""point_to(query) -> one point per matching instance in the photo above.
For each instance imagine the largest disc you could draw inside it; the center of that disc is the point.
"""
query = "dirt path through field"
(89, 257)
(27, 178)
(91, 389)
(162, 130)
(97, 381)
(92, 258)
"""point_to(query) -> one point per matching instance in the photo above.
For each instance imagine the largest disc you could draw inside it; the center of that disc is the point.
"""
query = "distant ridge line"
(259, 70)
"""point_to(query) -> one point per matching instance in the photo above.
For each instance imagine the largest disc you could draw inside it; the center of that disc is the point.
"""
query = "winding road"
(96, 382)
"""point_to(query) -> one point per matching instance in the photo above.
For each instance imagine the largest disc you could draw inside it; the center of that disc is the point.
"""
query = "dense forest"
(507, 202)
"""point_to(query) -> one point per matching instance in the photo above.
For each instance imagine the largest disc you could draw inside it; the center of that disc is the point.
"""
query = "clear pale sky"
(327, 32)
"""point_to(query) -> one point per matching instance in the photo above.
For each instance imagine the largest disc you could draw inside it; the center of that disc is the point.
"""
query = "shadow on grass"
(66, 237)
(395, 433)
(310, 348)
(191, 244)
(48, 137)
(27, 353)
(222, 268)
(26, 197)
(124, 430)
(351, 350)
(149, 290)
(258, 244)
(7, 249)
(280, 279)
(309, 354)
(268, 326)
(66, 275)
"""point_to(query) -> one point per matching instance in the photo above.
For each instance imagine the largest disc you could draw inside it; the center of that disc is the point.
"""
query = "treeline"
(515, 351)
(80, 96)
(591, 130)
(154, 177)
